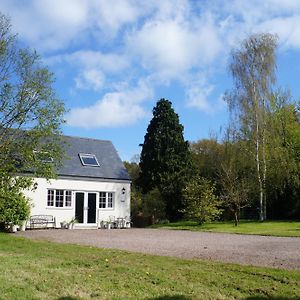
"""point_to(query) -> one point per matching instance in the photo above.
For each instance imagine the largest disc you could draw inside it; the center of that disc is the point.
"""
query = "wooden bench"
(42, 221)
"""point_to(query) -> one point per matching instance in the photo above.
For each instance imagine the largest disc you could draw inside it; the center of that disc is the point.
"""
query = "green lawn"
(44, 270)
(274, 228)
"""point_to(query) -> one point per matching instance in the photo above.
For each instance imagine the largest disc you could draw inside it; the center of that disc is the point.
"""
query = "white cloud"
(174, 46)
(236, 19)
(197, 93)
(287, 29)
(108, 62)
(116, 109)
(92, 67)
(47, 25)
(90, 79)
(112, 15)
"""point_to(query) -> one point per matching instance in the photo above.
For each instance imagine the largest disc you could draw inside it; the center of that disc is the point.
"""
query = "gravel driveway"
(277, 252)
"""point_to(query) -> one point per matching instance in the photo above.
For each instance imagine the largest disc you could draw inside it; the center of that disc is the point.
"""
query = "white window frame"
(45, 160)
(107, 198)
(66, 193)
(89, 155)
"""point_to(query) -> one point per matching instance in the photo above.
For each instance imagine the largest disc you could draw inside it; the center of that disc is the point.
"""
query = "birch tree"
(253, 69)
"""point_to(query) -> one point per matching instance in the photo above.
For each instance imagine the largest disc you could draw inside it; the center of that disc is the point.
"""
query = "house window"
(109, 200)
(68, 198)
(50, 201)
(106, 200)
(59, 198)
(89, 160)
(102, 200)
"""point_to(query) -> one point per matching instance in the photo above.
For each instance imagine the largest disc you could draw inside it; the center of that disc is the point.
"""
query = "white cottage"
(92, 185)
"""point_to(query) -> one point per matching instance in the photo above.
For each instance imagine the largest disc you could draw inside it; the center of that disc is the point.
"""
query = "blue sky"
(114, 59)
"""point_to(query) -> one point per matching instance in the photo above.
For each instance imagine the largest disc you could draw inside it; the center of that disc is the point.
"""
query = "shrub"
(201, 204)
(154, 204)
(14, 207)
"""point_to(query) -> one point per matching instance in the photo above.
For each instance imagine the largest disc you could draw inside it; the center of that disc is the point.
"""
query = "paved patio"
(277, 252)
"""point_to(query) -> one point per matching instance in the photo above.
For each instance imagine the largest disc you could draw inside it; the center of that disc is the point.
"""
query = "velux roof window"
(89, 160)
(43, 156)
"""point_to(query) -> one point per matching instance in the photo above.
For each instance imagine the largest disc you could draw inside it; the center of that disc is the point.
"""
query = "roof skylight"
(43, 156)
(89, 160)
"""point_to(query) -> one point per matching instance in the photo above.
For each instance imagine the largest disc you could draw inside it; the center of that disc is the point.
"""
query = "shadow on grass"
(182, 297)
(270, 298)
(169, 297)
(180, 224)
(68, 298)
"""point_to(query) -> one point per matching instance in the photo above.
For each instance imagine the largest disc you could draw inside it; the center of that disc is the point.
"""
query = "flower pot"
(12, 228)
(22, 226)
(71, 226)
(63, 225)
(108, 225)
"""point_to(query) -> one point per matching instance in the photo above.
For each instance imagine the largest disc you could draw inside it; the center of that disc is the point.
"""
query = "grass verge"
(44, 270)
(272, 228)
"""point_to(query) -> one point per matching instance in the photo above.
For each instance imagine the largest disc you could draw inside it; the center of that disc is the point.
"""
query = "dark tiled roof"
(111, 166)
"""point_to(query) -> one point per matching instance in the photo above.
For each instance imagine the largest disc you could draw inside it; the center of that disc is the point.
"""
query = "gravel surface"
(276, 252)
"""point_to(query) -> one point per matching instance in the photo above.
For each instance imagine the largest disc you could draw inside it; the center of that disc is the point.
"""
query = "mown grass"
(273, 228)
(44, 270)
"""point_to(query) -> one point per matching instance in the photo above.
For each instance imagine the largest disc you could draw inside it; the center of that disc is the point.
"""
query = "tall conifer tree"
(165, 159)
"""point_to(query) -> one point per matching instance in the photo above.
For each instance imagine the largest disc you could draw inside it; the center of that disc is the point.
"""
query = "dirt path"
(277, 252)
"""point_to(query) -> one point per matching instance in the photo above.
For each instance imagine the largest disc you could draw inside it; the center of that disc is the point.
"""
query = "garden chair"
(112, 220)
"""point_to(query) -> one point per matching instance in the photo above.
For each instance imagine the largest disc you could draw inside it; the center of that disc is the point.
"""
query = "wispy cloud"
(119, 108)
(92, 67)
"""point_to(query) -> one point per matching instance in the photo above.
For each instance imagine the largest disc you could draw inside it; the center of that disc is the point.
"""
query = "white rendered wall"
(39, 198)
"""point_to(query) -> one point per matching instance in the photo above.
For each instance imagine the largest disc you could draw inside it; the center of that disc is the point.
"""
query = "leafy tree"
(136, 202)
(133, 169)
(208, 155)
(283, 182)
(253, 69)
(154, 205)
(165, 158)
(30, 115)
(201, 203)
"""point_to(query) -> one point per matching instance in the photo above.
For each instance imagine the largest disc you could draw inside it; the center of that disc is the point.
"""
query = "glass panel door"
(91, 217)
(79, 207)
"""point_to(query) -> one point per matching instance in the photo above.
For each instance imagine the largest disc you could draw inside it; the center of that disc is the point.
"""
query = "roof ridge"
(86, 138)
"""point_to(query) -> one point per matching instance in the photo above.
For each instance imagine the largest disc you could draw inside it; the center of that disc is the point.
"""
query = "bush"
(14, 207)
(154, 205)
(136, 205)
(200, 202)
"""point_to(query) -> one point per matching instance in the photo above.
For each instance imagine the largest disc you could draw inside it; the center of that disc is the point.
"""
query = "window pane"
(68, 200)
(102, 200)
(59, 199)
(89, 160)
(50, 198)
(109, 200)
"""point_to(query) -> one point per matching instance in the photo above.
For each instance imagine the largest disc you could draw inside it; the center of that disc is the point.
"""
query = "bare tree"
(235, 190)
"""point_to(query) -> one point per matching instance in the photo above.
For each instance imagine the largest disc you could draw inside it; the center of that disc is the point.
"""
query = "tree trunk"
(258, 168)
(236, 220)
(264, 160)
(265, 205)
